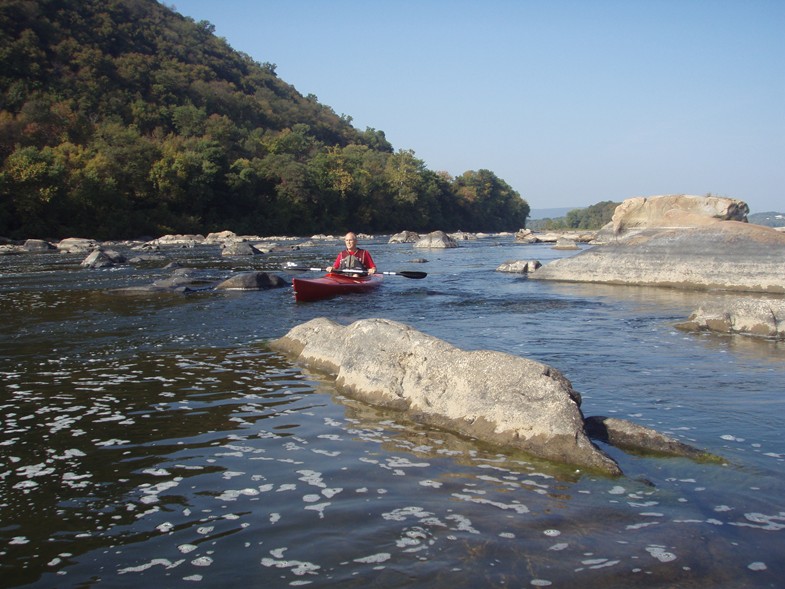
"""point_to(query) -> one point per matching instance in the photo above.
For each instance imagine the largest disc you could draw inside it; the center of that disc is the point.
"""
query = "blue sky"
(571, 102)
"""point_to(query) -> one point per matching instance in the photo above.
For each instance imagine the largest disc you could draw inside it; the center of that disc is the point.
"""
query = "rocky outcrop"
(746, 316)
(699, 253)
(672, 211)
(492, 396)
(436, 239)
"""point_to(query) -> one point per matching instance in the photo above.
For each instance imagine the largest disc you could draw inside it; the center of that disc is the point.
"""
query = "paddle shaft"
(404, 273)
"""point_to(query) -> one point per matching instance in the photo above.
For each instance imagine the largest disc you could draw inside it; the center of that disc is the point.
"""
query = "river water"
(154, 440)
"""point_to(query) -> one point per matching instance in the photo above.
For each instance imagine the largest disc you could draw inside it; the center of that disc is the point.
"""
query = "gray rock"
(519, 266)
(748, 316)
(103, 258)
(240, 248)
(405, 237)
(436, 239)
(252, 281)
(564, 243)
(492, 396)
(76, 245)
(38, 245)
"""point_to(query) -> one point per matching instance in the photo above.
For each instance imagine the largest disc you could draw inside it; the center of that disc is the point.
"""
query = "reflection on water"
(156, 440)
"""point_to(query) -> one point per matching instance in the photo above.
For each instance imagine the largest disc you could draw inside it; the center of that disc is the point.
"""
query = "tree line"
(592, 217)
(122, 118)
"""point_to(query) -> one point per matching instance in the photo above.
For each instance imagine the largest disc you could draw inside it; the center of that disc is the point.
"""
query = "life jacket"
(354, 261)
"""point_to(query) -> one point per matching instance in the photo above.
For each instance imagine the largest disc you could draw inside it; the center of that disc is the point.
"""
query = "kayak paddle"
(404, 273)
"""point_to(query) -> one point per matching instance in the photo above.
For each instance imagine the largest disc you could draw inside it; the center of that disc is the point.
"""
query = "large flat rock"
(719, 255)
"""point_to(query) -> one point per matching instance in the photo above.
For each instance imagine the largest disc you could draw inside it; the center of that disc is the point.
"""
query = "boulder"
(495, 397)
(436, 239)
(519, 266)
(526, 236)
(404, 237)
(179, 240)
(183, 280)
(38, 245)
(564, 243)
(76, 245)
(103, 258)
(221, 237)
(252, 281)
(763, 317)
(240, 248)
(672, 211)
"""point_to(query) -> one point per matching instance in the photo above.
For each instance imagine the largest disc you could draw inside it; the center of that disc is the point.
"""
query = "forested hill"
(122, 118)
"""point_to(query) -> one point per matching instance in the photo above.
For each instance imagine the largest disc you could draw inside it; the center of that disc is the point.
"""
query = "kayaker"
(353, 258)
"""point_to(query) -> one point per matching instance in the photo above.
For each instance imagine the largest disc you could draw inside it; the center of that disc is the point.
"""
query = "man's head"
(350, 240)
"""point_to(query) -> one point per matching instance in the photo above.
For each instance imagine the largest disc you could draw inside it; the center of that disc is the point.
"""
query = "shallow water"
(154, 439)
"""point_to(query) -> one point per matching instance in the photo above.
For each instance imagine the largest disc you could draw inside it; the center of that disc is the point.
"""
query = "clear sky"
(571, 102)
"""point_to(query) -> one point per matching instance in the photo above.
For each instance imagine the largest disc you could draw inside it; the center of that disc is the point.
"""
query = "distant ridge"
(553, 213)
(770, 219)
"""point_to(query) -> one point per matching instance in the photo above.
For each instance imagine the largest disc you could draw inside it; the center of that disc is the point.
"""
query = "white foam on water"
(164, 562)
(660, 553)
(374, 558)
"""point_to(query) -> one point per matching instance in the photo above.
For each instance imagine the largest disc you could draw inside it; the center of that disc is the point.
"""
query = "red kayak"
(331, 285)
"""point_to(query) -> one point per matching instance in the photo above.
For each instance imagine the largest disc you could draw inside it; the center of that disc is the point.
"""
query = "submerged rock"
(252, 281)
(492, 396)
(637, 438)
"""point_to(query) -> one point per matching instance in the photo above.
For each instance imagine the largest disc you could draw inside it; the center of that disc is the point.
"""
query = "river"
(154, 440)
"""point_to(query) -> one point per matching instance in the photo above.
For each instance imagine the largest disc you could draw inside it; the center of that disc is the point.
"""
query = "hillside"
(770, 219)
(120, 118)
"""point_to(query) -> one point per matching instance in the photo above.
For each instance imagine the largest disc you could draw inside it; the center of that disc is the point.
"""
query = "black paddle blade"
(408, 274)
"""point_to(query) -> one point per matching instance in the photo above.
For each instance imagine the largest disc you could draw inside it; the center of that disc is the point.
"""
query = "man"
(353, 258)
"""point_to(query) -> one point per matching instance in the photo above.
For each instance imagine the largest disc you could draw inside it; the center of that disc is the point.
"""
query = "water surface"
(154, 438)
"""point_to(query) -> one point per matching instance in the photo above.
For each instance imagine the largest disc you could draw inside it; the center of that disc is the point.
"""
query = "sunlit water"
(154, 440)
